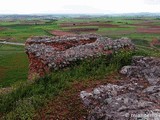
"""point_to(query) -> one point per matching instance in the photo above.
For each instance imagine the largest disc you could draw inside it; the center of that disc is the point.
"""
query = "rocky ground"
(51, 53)
(137, 98)
(68, 104)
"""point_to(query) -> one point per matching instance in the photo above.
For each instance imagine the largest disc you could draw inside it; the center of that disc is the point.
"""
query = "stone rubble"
(52, 53)
(144, 67)
(137, 98)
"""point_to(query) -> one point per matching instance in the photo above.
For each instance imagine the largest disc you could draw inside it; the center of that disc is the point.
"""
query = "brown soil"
(149, 30)
(155, 27)
(5, 91)
(68, 105)
(99, 24)
(78, 30)
(2, 71)
(68, 44)
(61, 33)
(144, 23)
(154, 42)
(2, 28)
(7, 39)
(138, 25)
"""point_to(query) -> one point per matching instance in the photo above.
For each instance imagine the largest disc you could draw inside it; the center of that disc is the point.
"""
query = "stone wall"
(52, 53)
(134, 97)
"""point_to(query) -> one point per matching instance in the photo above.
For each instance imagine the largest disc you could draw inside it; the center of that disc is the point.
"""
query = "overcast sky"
(78, 6)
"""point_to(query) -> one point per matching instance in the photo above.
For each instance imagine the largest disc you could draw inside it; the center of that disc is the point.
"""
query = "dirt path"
(68, 105)
(12, 43)
(5, 90)
(140, 95)
(154, 42)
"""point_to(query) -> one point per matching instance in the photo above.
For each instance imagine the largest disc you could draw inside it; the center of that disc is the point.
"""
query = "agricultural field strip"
(11, 43)
(18, 32)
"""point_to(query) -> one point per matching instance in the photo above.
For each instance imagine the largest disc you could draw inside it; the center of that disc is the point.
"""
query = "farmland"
(13, 65)
(143, 31)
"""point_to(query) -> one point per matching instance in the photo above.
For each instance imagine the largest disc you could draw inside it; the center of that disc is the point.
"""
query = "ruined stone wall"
(51, 53)
(135, 96)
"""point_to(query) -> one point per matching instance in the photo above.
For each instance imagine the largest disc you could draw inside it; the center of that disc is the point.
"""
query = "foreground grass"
(23, 102)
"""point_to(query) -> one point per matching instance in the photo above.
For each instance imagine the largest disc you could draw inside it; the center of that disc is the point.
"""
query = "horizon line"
(75, 13)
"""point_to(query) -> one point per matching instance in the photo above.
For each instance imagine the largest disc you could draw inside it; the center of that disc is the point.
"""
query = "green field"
(24, 102)
(13, 65)
(20, 32)
(13, 60)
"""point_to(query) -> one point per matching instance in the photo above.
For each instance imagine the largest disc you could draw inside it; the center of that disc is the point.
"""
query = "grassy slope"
(28, 98)
(11, 56)
(13, 65)
(13, 60)
(23, 102)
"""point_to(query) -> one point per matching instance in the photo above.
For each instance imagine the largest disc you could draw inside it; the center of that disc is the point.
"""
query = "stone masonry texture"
(136, 98)
(51, 53)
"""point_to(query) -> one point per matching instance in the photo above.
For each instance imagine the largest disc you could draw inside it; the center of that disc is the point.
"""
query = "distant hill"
(56, 16)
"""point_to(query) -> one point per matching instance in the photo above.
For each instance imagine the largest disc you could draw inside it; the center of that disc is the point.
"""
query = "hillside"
(72, 60)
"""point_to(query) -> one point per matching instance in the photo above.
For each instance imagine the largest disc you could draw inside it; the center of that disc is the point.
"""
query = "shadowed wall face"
(52, 53)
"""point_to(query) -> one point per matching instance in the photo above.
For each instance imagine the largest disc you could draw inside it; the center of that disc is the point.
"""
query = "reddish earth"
(2, 28)
(89, 24)
(77, 30)
(61, 33)
(5, 91)
(49, 53)
(68, 44)
(149, 30)
(139, 25)
(61, 46)
(120, 32)
(154, 42)
(68, 105)
(7, 39)
(146, 23)
(37, 67)
(2, 71)
(155, 27)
